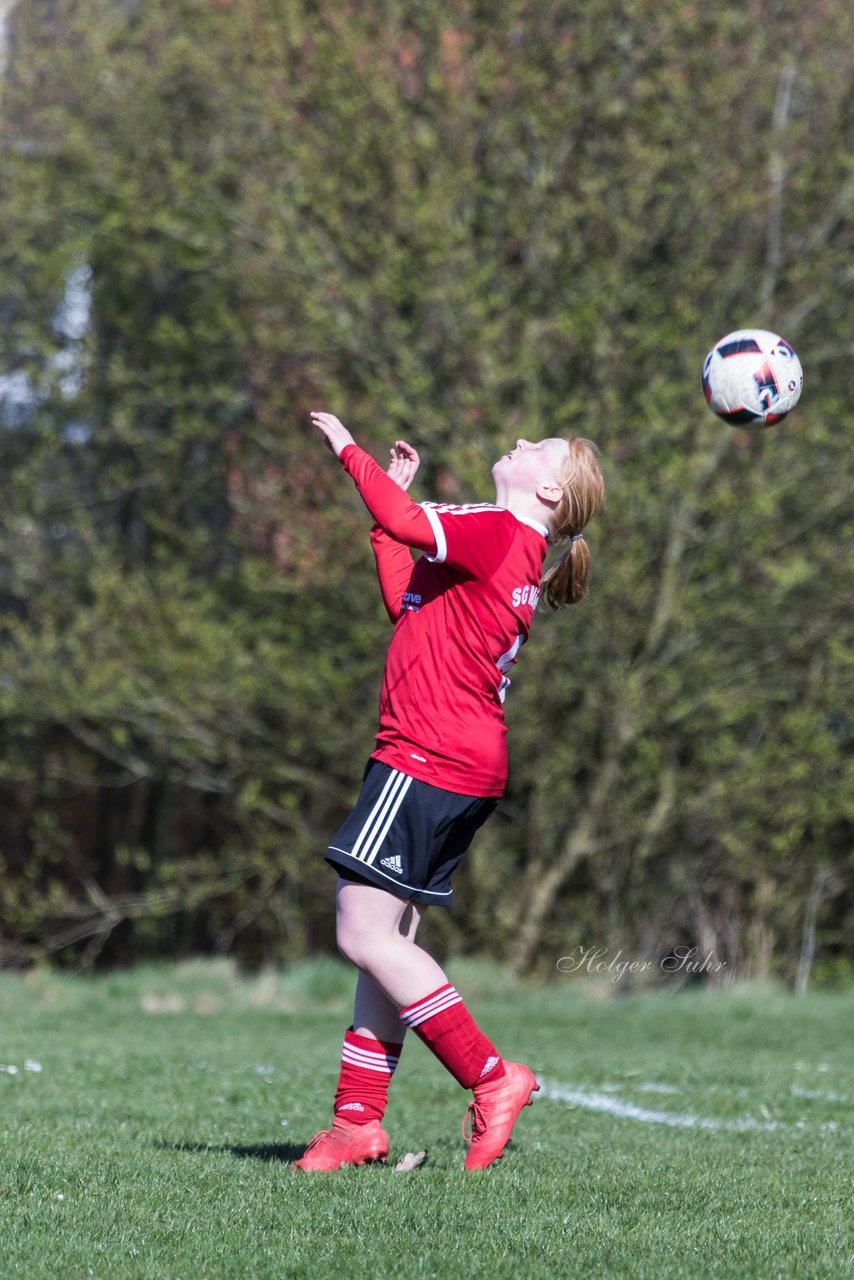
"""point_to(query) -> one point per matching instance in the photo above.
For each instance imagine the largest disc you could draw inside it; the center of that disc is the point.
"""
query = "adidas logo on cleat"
(393, 863)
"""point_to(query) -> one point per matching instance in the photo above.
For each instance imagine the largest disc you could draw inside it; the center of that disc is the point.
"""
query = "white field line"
(590, 1101)
(823, 1095)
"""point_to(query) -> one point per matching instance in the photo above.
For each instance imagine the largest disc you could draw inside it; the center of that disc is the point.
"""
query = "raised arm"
(394, 569)
(393, 559)
(390, 506)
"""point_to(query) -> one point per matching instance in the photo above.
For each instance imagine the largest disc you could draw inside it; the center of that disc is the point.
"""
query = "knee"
(369, 924)
(351, 940)
(344, 942)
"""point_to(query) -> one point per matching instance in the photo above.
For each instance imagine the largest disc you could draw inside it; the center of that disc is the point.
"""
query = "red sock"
(367, 1066)
(447, 1028)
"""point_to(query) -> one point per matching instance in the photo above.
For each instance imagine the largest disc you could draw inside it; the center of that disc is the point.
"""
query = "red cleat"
(494, 1110)
(344, 1143)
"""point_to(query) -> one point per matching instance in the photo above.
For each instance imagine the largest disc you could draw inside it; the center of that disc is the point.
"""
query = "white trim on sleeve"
(429, 510)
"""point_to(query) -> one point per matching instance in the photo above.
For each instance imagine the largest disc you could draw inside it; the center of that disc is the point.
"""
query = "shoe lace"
(473, 1120)
(322, 1133)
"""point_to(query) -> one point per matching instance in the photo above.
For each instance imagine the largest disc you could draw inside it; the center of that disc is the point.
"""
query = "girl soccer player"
(460, 614)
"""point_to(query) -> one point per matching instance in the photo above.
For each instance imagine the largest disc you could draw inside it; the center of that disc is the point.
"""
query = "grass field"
(148, 1120)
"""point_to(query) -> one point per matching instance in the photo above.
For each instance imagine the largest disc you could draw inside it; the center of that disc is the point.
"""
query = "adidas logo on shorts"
(393, 863)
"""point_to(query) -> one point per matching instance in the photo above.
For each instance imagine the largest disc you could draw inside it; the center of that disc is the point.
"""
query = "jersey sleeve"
(473, 539)
(392, 508)
(394, 569)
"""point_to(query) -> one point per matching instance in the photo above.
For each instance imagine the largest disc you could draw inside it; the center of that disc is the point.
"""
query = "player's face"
(531, 464)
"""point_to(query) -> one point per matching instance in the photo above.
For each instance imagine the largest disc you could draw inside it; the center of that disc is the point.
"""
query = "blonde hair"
(583, 490)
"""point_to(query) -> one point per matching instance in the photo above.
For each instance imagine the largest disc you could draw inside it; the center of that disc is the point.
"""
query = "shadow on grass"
(271, 1151)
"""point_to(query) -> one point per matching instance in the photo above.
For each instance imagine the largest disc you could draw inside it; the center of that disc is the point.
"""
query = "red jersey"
(463, 613)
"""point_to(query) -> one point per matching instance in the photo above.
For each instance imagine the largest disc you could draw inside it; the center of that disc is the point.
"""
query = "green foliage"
(458, 226)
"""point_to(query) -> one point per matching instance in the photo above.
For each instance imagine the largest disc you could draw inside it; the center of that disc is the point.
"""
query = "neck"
(525, 506)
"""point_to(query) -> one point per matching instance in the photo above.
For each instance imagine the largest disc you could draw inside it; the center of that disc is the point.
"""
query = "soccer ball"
(752, 378)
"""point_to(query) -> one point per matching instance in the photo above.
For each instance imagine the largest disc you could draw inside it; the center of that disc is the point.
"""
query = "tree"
(458, 226)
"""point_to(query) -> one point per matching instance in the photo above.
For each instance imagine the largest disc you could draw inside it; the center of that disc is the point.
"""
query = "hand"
(335, 433)
(404, 463)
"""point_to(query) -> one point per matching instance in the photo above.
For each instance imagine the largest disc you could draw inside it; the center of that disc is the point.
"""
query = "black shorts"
(406, 836)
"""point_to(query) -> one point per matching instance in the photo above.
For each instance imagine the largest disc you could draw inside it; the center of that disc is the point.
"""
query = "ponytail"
(566, 582)
(583, 489)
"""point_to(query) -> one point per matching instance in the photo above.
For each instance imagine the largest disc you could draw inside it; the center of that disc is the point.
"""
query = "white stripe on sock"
(418, 1013)
(370, 1061)
(415, 1019)
(369, 1066)
(436, 998)
(361, 1052)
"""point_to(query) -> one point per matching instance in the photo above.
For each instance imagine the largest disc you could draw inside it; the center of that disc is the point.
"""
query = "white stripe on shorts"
(381, 817)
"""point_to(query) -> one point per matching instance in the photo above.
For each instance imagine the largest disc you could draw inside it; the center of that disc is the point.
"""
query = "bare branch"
(776, 179)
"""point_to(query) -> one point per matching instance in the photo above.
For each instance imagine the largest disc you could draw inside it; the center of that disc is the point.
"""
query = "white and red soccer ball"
(752, 378)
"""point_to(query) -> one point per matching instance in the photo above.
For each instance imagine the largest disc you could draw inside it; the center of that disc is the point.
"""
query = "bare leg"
(376, 931)
(373, 1013)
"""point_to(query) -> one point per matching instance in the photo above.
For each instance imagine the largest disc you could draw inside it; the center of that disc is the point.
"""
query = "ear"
(550, 494)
